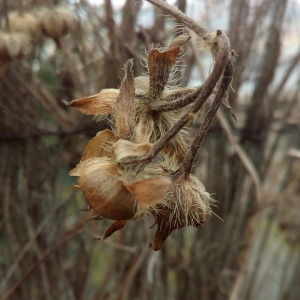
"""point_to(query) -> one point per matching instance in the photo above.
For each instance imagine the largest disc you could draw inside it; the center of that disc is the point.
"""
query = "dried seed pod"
(99, 146)
(25, 23)
(110, 191)
(124, 110)
(57, 23)
(13, 46)
(186, 204)
(124, 150)
(99, 105)
(101, 186)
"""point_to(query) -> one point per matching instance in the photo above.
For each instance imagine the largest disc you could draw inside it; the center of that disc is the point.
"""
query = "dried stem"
(168, 105)
(222, 92)
(64, 239)
(243, 156)
(183, 18)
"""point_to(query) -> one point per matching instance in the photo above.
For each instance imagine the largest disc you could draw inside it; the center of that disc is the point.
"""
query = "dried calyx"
(142, 166)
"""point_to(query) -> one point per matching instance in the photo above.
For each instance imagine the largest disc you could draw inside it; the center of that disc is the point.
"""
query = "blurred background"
(249, 249)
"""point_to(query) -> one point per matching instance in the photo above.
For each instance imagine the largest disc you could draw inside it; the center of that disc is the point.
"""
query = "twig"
(244, 158)
(168, 105)
(186, 167)
(183, 18)
(64, 239)
(42, 132)
(27, 246)
(124, 289)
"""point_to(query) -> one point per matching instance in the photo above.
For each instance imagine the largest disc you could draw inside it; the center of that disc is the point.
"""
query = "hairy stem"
(181, 17)
(168, 105)
(226, 80)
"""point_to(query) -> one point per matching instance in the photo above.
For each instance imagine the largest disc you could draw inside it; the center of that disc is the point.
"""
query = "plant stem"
(181, 17)
(200, 136)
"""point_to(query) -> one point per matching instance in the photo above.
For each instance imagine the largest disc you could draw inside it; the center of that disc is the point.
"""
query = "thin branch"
(125, 287)
(64, 239)
(42, 132)
(200, 136)
(168, 104)
(244, 158)
(183, 18)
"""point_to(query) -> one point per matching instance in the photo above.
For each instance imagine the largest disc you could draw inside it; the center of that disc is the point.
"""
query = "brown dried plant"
(142, 166)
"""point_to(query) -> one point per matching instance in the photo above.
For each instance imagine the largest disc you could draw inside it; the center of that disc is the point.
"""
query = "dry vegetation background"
(251, 166)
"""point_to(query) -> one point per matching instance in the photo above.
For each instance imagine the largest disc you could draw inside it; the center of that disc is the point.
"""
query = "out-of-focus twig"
(245, 160)
(125, 287)
(63, 240)
(176, 13)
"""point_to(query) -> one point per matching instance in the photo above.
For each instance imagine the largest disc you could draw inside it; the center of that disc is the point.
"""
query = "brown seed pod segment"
(160, 65)
(104, 191)
(187, 204)
(99, 105)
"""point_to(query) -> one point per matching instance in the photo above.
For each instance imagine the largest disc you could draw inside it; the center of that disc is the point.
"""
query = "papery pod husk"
(13, 46)
(187, 204)
(97, 147)
(25, 23)
(98, 105)
(160, 65)
(149, 191)
(124, 150)
(124, 111)
(104, 191)
(118, 225)
(100, 145)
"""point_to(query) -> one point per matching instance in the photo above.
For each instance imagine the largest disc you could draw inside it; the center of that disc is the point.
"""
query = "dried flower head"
(57, 22)
(25, 23)
(142, 166)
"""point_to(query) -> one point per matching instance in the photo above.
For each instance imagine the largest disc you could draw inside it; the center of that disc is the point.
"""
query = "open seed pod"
(186, 204)
(25, 23)
(101, 186)
(57, 23)
(100, 180)
(98, 105)
(13, 46)
(110, 190)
